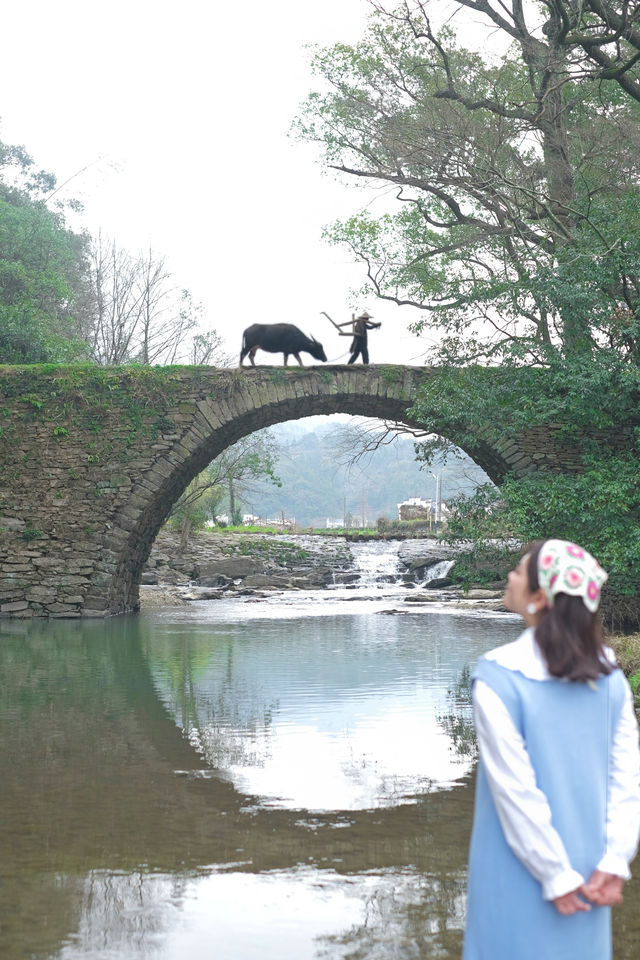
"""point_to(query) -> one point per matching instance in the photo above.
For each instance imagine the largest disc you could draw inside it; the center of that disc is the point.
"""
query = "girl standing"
(557, 811)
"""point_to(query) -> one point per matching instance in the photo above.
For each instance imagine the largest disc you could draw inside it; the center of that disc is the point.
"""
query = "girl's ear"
(537, 604)
(539, 598)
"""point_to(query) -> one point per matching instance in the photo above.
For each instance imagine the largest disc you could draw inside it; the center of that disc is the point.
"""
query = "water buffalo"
(279, 338)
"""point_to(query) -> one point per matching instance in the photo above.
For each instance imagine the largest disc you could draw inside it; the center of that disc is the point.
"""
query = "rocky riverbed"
(214, 565)
(218, 561)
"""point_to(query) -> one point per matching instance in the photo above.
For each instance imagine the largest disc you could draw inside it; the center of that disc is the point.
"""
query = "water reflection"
(334, 713)
(292, 787)
(296, 916)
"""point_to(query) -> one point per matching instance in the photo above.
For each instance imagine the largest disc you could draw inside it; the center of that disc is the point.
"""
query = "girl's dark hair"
(569, 636)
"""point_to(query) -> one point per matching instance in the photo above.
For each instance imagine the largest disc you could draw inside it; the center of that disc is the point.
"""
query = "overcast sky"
(181, 113)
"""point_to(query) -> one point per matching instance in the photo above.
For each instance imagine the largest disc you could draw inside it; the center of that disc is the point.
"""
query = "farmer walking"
(359, 328)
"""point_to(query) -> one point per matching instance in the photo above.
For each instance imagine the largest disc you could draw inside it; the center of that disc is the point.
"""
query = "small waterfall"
(438, 570)
(377, 562)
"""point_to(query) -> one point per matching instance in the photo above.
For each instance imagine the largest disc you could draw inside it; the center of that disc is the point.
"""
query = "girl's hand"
(603, 889)
(571, 903)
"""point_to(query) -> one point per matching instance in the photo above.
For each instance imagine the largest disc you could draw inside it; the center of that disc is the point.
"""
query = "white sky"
(182, 112)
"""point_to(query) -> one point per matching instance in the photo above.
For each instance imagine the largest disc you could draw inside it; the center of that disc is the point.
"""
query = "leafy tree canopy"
(230, 477)
(515, 230)
(43, 268)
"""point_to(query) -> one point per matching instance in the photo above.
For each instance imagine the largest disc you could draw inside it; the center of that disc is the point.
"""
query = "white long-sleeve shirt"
(523, 808)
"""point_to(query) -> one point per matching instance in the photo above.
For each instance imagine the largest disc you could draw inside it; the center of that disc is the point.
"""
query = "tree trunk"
(232, 499)
(185, 533)
(548, 66)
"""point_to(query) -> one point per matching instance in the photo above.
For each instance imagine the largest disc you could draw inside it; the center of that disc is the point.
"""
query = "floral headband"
(564, 567)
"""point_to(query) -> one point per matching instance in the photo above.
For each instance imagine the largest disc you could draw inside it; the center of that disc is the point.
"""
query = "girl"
(557, 811)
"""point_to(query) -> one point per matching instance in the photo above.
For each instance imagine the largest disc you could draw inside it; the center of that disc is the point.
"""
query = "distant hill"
(316, 487)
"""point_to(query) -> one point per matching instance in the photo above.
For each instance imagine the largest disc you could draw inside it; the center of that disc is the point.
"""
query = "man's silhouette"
(359, 327)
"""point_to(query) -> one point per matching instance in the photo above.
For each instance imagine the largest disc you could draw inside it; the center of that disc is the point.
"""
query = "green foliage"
(517, 234)
(32, 533)
(43, 269)
(66, 298)
(599, 508)
(246, 528)
(284, 552)
(586, 401)
(575, 395)
(627, 650)
(390, 374)
(194, 507)
(478, 516)
(404, 528)
(233, 474)
(485, 564)
(484, 521)
(88, 397)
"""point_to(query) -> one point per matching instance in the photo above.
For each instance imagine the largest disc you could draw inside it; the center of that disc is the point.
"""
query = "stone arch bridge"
(92, 460)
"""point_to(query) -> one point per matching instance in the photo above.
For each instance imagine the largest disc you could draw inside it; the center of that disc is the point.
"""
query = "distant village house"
(415, 508)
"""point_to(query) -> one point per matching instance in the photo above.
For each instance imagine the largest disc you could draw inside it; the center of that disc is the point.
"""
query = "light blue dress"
(568, 731)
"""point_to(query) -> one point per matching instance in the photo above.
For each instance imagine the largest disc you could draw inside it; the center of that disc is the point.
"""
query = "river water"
(243, 779)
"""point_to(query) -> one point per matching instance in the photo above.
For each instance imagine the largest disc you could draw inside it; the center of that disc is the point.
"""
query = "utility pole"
(438, 480)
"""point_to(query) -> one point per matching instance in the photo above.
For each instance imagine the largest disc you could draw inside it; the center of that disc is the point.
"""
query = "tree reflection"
(124, 914)
(323, 720)
(224, 713)
(88, 754)
(415, 916)
(458, 722)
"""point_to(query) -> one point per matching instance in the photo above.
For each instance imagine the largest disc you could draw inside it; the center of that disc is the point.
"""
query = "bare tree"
(140, 315)
(159, 330)
(359, 439)
(207, 348)
(117, 303)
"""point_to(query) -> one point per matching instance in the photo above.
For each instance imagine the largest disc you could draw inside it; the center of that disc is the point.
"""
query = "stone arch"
(282, 400)
(93, 533)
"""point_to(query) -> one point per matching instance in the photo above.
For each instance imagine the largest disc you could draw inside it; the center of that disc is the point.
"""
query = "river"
(290, 778)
